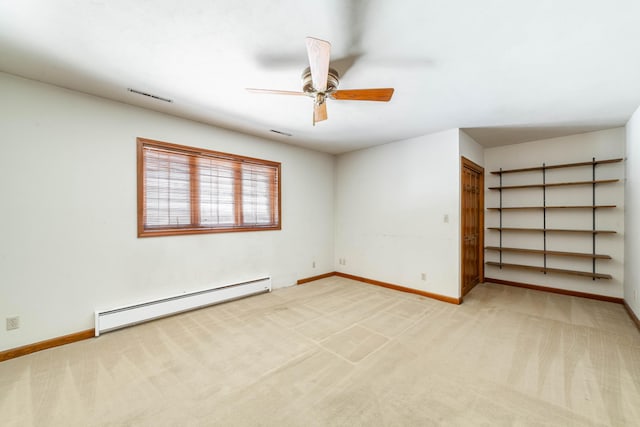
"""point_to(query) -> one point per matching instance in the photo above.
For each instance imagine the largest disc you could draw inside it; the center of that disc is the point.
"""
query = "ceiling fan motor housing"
(307, 83)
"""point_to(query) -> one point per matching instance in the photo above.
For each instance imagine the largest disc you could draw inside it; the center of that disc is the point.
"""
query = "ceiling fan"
(320, 82)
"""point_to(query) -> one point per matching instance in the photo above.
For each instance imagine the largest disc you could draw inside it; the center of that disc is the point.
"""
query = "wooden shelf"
(566, 165)
(551, 270)
(543, 252)
(555, 230)
(555, 184)
(530, 256)
(552, 207)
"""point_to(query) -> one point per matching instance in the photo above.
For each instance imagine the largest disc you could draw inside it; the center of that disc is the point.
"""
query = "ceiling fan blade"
(319, 112)
(381, 94)
(319, 52)
(275, 92)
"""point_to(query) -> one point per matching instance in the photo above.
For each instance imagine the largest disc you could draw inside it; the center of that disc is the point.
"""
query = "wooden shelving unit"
(552, 230)
(545, 253)
(551, 207)
(555, 184)
(551, 270)
(565, 165)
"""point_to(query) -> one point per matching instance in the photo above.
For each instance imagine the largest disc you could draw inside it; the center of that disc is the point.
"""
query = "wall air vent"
(280, 132)
(159, 98)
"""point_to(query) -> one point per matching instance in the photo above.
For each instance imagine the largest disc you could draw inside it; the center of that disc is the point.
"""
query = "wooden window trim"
(194, 196)
(194, 228)
(237, 194)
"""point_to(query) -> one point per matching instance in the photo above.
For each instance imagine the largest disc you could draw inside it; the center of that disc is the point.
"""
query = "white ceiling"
(508, 70)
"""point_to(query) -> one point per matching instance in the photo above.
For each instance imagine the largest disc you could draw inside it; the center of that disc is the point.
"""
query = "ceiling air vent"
(280, 132)
(159, 98)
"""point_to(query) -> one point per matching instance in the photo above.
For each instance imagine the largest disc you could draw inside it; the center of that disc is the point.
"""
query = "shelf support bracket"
(593, 191)
(544, 215)
(500, 252)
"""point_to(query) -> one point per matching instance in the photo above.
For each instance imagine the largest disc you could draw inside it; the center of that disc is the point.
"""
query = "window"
(186, 190)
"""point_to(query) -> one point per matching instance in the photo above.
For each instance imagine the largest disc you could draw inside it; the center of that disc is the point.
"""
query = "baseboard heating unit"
(109, 320)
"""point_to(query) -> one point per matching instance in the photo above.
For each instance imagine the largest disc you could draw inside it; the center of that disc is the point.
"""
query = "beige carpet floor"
(341, 353)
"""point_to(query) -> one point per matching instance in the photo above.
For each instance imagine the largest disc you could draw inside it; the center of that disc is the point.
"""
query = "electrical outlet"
(313, 264)
(446, 219)
(13, 323)
(423, 276)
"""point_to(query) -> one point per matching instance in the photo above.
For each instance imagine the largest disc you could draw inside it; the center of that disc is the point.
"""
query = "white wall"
(576, 148)
(470, 149)
(391, 203)
(68, 213)
(632, 213)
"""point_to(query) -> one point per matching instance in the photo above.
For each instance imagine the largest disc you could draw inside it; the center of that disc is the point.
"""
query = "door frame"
(464, 162)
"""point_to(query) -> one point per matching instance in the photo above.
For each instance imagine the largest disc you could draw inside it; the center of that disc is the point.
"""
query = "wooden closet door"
(472, 206)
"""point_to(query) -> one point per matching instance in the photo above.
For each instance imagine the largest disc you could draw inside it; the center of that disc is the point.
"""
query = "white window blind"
(167, 189)
(217, 181)
(189, 190)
